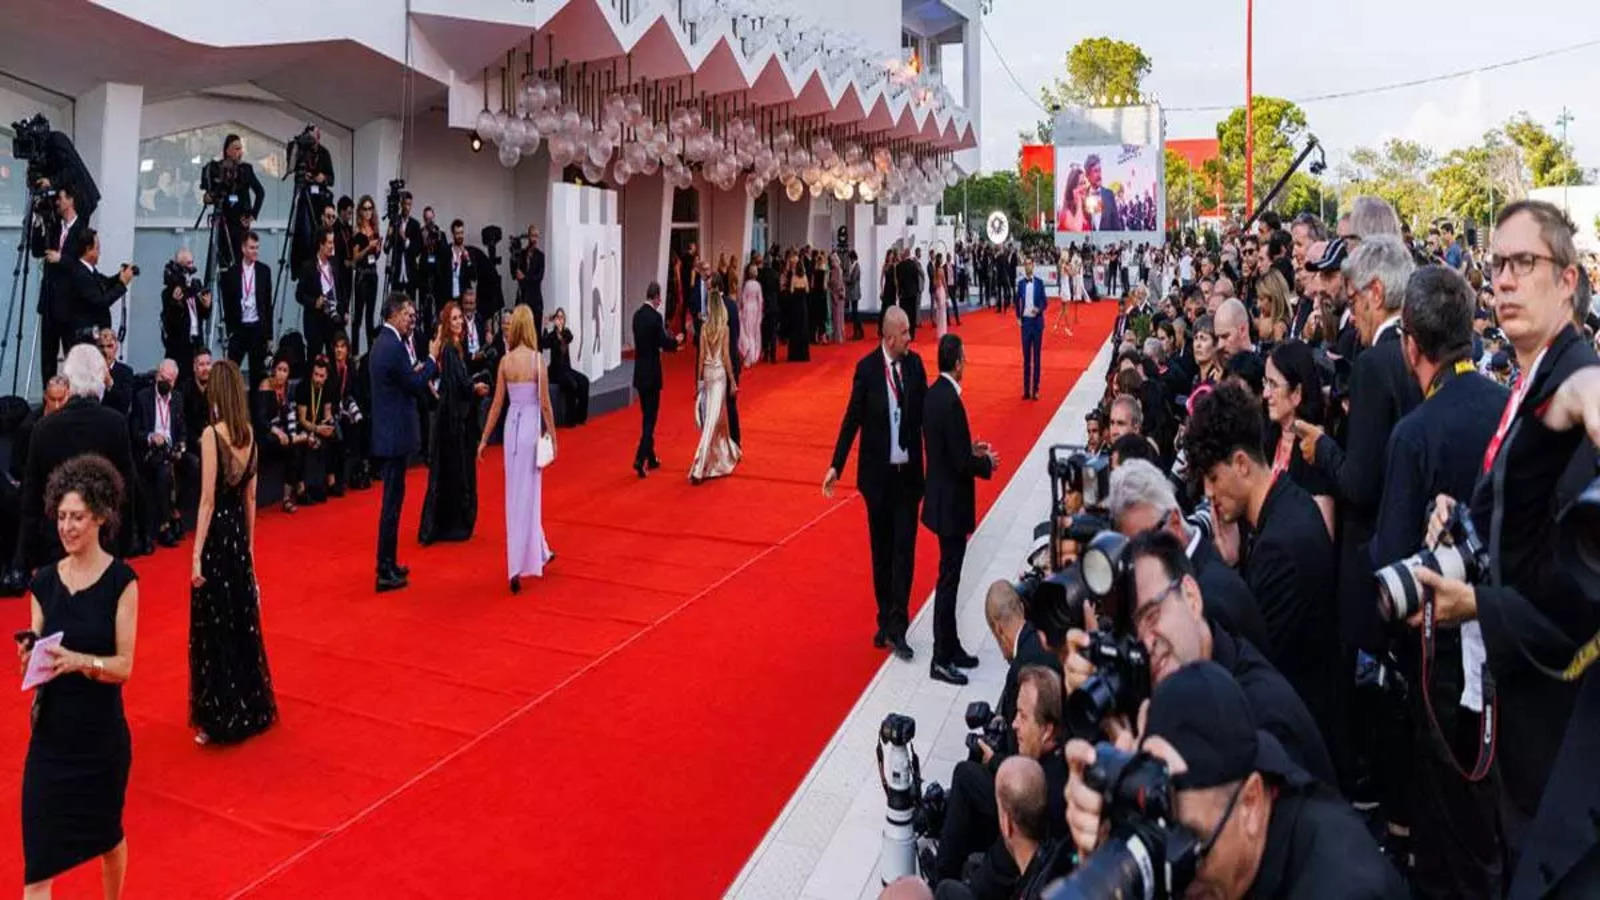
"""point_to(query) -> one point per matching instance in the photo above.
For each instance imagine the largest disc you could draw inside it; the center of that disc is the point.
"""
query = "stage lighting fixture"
(475, 142)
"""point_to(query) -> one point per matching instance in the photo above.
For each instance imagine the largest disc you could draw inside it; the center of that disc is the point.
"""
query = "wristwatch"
(99, 668)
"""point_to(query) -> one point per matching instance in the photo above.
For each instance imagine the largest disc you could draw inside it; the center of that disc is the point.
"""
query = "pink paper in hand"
(39, 662)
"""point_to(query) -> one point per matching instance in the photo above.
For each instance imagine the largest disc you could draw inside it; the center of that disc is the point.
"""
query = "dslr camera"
(983, 725)
(1081, 472)
(1457, 554)
(1149, 854)
(1122, 662)
(391, 200)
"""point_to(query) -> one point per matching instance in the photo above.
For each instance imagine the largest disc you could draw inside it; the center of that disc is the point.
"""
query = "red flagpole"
(1249, 108)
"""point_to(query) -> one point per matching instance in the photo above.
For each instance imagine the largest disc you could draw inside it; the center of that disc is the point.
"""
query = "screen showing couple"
(1110, 188)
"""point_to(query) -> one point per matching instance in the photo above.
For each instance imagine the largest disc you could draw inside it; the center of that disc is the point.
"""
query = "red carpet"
(629, 726)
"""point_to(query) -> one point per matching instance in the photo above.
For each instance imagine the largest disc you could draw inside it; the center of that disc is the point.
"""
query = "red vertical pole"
(1249, 108)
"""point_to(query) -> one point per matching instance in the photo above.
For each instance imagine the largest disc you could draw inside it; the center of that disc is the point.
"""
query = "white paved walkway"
(824, 845)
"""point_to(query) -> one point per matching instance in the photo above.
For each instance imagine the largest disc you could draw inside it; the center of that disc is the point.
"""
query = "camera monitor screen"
(1107, 188)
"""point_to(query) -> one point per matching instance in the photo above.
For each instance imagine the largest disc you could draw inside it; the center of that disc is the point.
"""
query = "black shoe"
(335, 490)
(391, 581)
(402, 571)
(901, 648)
(516, 584)
(879, 641)
(946, 673)
(638, 469)
(961, 659)
(654, 463)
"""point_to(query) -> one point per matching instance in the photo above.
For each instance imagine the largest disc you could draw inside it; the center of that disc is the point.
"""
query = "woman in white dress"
(750, 302)
(939, 292)
(717, 454)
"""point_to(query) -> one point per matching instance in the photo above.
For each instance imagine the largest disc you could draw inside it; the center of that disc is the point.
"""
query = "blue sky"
(1304, 49)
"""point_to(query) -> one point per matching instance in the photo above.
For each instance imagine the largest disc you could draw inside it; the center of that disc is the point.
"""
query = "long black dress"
(451, 508)
(797, 324)
(76, 774)
(230, 687)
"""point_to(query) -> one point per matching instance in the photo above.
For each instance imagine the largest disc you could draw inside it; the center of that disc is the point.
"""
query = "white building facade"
(735, 124)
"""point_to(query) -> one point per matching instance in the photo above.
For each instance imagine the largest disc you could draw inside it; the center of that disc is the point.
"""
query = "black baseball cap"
(1333, 256)
(1202, 712)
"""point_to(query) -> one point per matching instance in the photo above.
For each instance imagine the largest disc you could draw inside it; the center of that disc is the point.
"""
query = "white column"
(646, 210)
(972, 89)
(376, 159)
(105, 126)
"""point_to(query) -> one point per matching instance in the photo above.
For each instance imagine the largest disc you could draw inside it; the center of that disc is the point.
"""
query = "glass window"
(169, 173)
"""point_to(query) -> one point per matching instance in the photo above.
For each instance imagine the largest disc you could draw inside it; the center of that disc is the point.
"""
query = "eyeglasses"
(1521, 263)
(1144, 617)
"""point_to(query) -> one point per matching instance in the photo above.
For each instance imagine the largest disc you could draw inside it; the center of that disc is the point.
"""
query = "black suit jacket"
(1381, 392)
(1226, 599)
(1030, 651)
(949, 504)
(405, 239)
(868, 413)
(53, 276)
(650, 340)
(142, 419)
(472, 265)
(731, 304)
(84, 297)
(309, 287)
(119, 396)
(559, 343)
(82, 426)
(532, 280)
(230, 282)
(908, 281)
(1289, 568)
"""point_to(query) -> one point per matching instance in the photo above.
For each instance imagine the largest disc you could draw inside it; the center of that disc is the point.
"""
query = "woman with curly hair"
(87, 607)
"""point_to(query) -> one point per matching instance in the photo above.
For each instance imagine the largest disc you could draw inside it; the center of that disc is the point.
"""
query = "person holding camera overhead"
(235, 194)
(185, 309)
(323, 293)
(1254, 822)
(79, 750)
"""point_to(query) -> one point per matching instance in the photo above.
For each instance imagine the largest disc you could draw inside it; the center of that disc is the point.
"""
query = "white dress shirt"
(249, 313)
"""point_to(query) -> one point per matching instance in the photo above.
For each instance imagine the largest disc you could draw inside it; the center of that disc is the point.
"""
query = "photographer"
(85, 298)
(971, 823)
(322, 293)
(1435, 449)
(404, 244)
(1021, 643)
(235, 194)
(317, 415)
(58, 235)
(527, 270)
(1527, 607)
(247, 308)
(1142, 498)
(185, 310)
(1264, 827)
(313, 167)
(1289, 563)
(573, 383)
(1021, 795)
(161, 456)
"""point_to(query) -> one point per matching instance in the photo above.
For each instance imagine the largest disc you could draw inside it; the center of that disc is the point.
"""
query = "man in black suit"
(397, 381)
(119, 393)
(949, 506)
(574, 384)
(323, 294)
(887, 398)
(236, 195)
(1109, 217)
(165, 461)
(247, 308)
(908, 285)
(57, 248)
(699, 295)
(459, 265)
(185, 311)
(84, 425)
(316, 165)
(404, 246)
(528, 272)
(650, 340)
(83, 297)
(1290, 562)
(768, 277)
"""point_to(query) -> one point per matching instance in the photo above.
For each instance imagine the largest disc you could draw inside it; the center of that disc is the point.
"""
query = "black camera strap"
(1486, 719)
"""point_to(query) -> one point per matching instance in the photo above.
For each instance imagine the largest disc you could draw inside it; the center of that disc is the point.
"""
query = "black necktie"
(899, 385)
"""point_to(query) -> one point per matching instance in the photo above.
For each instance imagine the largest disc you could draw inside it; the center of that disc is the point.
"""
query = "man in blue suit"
(1030, 315)
(398, 380)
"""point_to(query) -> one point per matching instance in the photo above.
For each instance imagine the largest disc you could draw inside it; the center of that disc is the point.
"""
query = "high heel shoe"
(516, 584)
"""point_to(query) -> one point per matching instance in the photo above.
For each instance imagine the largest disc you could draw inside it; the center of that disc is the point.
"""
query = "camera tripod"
(214, 264)
(19, 296)
(298, 204)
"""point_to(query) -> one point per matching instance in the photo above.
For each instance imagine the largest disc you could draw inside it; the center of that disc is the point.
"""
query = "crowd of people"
(1329, 515)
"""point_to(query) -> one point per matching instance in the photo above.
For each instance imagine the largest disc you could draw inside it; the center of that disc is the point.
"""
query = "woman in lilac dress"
(522, 376)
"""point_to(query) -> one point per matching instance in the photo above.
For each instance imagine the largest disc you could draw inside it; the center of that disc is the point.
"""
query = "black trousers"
(574, 395)
(955, 306)
(159, 483)
(249, 342)
(319, 336)
(892, 528)
(971, 819)
(946, 642)
(54, 340)
(366, 304)
(769, 333)
(732, 401)
(393, 471)
(649, 408)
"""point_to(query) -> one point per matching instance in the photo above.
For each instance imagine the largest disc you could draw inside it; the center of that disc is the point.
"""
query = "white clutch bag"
(546, 454)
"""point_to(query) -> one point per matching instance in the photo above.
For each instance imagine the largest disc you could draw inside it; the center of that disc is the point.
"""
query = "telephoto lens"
(1121, 681)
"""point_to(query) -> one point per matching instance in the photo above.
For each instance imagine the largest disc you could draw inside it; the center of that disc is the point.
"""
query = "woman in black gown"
(79, 752)
(450, 509)
(797, 321)
(230, 687)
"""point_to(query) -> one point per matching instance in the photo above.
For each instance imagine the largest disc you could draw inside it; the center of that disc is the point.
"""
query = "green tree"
(1399, 173)
(1037, 190)
(1189, 191)
(1549, 161)
(1474, 182)
(1305, 193)
(1279, 127)
(1099, 69)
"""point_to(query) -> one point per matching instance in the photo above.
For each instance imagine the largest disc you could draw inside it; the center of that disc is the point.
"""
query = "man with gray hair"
(84, 425)
(1372, 216)
(166, 464)
(1142, 498)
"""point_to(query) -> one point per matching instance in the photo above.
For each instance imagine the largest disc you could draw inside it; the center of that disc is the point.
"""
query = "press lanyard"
(1512, 405)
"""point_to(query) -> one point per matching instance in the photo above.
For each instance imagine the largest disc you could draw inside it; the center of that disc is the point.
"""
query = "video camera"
(1457, 554)
(1149, 854)
(393, 198)
(30, 143)
(300, 152)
